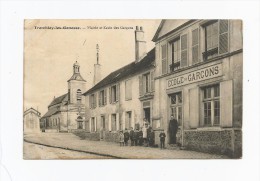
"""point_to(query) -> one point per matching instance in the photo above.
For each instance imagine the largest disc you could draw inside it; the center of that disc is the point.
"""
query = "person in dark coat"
(151, 138)
(140, 137)
(126, 137)
(162, 139)
(136, 137)
(173, 128)
(131, 135)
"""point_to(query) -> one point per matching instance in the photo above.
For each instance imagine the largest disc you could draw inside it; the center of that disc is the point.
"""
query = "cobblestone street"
(101, 149)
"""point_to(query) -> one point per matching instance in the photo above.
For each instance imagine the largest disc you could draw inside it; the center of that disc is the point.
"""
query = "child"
(121, 138)
(162, 139)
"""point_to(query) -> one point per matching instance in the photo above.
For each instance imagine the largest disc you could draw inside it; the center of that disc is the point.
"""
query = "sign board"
(195, 76)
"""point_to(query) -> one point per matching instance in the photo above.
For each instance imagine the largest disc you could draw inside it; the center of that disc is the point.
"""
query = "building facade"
(198, 80)
(67, 112)
(123, 98)
(31, 121)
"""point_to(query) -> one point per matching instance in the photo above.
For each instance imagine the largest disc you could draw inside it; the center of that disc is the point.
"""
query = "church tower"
(76, 86)
(97, 69)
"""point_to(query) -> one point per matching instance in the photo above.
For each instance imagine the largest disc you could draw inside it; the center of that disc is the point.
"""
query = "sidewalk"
(72, 142)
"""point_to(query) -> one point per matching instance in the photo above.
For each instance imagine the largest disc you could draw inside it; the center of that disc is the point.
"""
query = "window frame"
(129, 81)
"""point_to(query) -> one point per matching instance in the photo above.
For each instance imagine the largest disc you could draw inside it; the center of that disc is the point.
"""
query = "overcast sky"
(49, 54)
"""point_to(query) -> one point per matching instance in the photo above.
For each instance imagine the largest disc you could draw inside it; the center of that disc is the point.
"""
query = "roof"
(76, 76)
(32, 110)
(132, 68)
(51, 112)
(58, 100)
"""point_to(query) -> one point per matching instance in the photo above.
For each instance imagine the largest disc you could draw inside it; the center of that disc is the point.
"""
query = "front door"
(147, 114)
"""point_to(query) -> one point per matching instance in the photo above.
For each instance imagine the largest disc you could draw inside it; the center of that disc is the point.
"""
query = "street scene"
(133, 89)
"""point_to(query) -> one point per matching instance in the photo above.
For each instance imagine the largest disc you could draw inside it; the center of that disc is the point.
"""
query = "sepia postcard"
(133, 89)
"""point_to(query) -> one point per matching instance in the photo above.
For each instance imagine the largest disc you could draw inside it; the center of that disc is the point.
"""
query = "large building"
(31, 121)
(123, 98)
(198, 80)
(67, 112)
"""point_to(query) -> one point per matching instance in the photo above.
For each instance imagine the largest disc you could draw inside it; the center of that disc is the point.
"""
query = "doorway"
(147, 114)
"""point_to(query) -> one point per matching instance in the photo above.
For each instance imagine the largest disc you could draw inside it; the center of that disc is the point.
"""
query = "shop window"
(211, 105)
(176, 106)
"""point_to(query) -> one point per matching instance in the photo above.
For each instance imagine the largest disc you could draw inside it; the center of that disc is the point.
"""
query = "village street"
(69, 146)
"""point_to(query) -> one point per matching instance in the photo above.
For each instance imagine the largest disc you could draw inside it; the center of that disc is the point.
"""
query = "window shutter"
(95, 124)
(141, 85)
(117, 92)
(226, 100)
(164, 59)
(110, 95)
(132, 119)
(89, 98)
(117, 121)
(99, 98)
(152, 80)
(95, 100)
(105, 96)
(195, 46)
(194, 107)
(90, 119)
(184, 50)
(124, 124)
(223, 36)
(109, 122)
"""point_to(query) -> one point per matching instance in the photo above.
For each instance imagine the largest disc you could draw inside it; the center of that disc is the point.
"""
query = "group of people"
(138, 137)
(145, 136)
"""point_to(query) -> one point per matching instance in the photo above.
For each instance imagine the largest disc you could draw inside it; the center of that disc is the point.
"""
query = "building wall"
(230, 82)
(74, 85)
(31, 123)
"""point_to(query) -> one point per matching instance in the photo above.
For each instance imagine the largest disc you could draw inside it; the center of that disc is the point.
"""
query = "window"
(146, 83)
(176, 106)
(128, 90)
(92, 101)
(93, 125)
(114, 93)
(102, 98)
(128, 120)
(176, 55)
(211, 105)
(79, 96)
(216, 38)
(113, 122)
(103, 122)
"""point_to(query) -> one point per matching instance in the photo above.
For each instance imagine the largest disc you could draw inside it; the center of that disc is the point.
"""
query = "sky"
(49, 54)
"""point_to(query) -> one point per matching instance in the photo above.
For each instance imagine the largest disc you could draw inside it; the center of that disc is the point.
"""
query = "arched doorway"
(79, 122)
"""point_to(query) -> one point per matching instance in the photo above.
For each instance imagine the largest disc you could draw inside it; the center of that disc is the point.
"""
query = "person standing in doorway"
(173, 128)
(162, 139)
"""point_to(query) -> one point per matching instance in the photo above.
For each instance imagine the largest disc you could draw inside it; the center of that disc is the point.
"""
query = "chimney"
(140, 44)
(97, 69)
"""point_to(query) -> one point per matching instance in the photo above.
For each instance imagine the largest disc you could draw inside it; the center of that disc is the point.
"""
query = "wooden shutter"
(95, 100)
(194, 107)
(117, 121)
(90, 126)
(109, 122)
(152, 80)
(124, 124)
(184, 50)
(105, 96)
(95, 123)
(89, 98)
(164, 59)
(223, 36)
(141, 85)
(195, 46)
(117, 92)
(226, 101)
(99, 98)
(110, 95)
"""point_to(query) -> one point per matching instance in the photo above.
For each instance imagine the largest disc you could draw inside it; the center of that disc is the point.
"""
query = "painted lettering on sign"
(196, 76)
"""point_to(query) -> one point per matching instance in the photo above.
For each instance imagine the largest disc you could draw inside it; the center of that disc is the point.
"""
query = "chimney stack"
(97, 69)
(140, 44)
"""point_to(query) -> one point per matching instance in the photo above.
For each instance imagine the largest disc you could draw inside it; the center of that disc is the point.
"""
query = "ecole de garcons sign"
(195, 76)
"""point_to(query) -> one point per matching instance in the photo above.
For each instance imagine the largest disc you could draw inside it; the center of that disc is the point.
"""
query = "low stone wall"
(224, 141)
(87, 135)
(111, 136)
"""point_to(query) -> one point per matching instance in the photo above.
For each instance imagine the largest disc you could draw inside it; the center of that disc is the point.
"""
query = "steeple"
(97, 68)
(76, 74)
(76, 68)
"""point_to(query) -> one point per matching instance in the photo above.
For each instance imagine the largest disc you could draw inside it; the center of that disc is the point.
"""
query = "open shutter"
(223, 36)
(194, 107)
(133, 119)
(141, 85)
(152, 80)
(164, 59)
(99, 98)
(184, 50)
(105, 96)
(117, 121)
(109, 122)
(90, 126)
(195, 46)
(95, 100)
(124, 124)
(89, 98)
(226, 101)
(95, 124)
(110, 95)
(117, 92)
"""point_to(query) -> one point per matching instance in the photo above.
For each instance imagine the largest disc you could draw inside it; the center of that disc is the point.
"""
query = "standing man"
(131, 134)
(162, 139)
(173, 128)
(126, 137)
